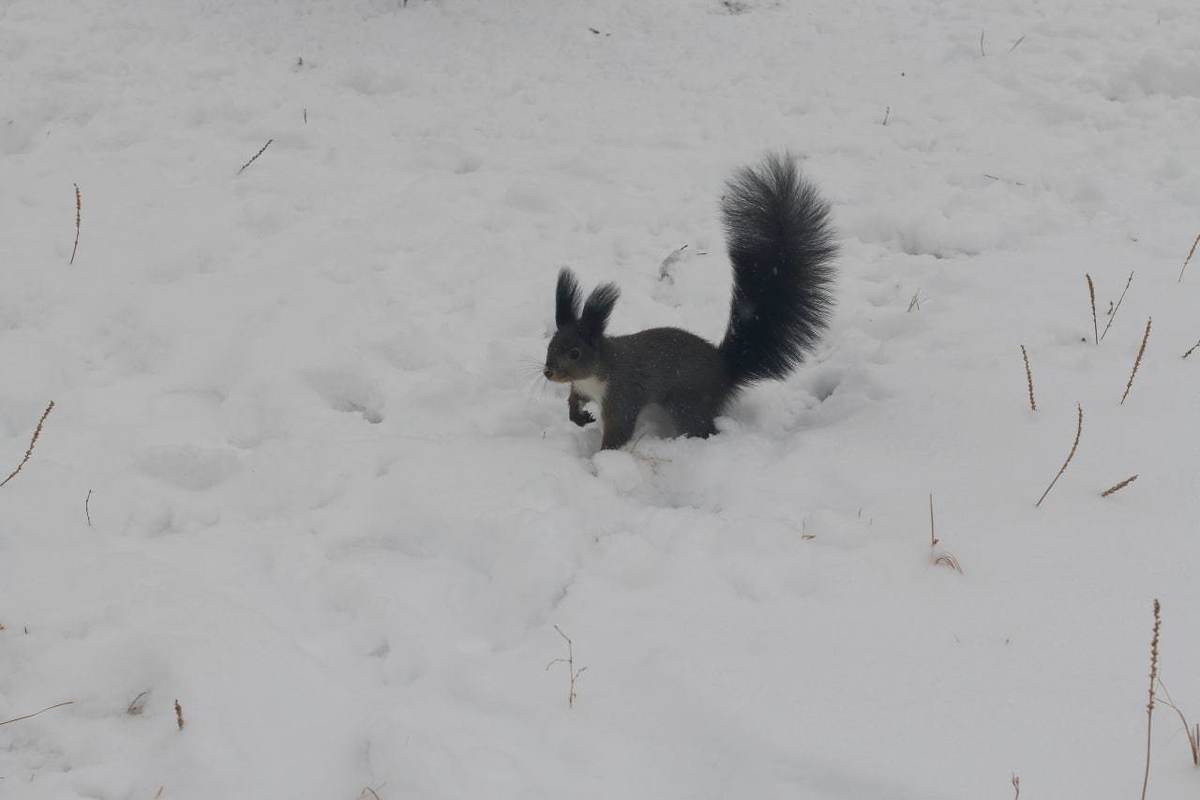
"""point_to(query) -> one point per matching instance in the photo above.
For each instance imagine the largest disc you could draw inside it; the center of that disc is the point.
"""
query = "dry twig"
(1063, 468)
(573, 673)
(87, 512)
(178, 714)
(1192, 349)
(1138, 362)
(36, 433)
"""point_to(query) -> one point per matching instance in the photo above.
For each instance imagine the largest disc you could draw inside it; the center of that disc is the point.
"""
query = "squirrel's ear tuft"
(597, 309)
(567, 298)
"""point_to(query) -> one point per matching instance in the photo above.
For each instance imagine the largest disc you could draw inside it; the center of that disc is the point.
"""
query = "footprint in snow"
(346, 390)
(188, 466)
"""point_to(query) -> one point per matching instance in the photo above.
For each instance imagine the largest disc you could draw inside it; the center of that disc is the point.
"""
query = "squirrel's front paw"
(582, 418)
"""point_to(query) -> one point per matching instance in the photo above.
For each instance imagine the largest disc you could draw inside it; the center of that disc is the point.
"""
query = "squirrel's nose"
(549, 373)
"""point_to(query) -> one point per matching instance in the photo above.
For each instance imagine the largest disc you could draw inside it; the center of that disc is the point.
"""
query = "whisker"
(536, 385)
(531, 366)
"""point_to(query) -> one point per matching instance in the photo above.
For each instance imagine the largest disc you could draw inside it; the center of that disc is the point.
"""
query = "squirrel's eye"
(574, 354)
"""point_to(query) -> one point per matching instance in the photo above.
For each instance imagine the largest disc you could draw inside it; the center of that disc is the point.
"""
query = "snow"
(337, 513)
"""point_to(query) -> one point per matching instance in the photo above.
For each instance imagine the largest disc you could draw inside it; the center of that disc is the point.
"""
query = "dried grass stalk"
(1118, 487)
(1192, 733)
(138, 704)
(1191, 253)
(1138, 362)
(178, 714)
(32, 442)
(255, 156)
(1092, 297)
(1029, 379)
(1113, 314)
(943, 558)
(1063, 468)
(933, 540)
(1153, 683)
(34, 714)
(78, 219)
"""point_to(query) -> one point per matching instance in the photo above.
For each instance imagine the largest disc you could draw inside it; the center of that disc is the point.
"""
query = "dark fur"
(781, 246)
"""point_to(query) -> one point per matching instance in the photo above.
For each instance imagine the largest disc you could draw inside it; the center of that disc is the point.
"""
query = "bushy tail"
(781, 245)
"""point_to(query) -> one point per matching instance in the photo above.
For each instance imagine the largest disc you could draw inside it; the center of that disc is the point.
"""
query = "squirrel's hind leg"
(693, 419)
(619, 415)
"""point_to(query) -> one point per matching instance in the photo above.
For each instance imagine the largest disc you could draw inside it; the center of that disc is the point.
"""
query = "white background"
(336, 512)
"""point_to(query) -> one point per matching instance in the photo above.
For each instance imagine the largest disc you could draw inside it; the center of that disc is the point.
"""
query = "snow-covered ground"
(337, 514)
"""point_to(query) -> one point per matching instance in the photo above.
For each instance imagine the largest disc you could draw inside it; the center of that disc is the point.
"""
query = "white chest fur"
(591, 388)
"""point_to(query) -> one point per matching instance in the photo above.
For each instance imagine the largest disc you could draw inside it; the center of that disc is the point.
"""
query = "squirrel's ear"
(567, 298)
(597, 309)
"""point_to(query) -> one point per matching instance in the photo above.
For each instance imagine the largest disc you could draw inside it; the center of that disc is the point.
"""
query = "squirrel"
(781, 245)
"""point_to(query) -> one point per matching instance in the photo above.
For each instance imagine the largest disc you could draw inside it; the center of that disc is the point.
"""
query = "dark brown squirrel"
(781, 245)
